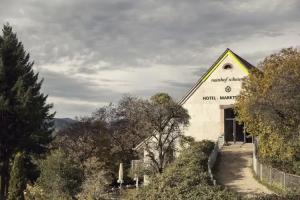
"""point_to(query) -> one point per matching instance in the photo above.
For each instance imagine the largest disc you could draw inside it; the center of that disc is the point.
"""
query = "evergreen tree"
(25, 119)
(17, 182)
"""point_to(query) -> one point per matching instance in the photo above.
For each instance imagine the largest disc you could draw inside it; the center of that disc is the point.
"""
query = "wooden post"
(260, 171)
(270, 174)
(234, 131)
(244, 131)
(284, 181)
(137, 182)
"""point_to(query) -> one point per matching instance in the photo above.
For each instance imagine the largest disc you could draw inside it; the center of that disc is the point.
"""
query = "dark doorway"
(234, 131)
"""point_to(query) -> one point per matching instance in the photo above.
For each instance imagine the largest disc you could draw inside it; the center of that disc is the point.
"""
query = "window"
(227, 66)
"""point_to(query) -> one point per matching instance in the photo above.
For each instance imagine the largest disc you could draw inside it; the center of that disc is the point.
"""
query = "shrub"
(186, 178)
(93, 188)
(17, 182)
(34, 193)
(97, 179)
(60, 176)
(269, 103)
(276, 197)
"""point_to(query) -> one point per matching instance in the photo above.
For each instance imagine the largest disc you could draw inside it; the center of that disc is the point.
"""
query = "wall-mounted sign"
(231, 81)
(213, 98)
(227, 79)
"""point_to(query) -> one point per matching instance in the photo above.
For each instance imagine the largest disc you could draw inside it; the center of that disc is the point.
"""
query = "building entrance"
(233, 131)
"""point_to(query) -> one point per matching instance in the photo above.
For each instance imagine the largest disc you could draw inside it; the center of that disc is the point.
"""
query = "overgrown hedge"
(186, 178)
(276, 197)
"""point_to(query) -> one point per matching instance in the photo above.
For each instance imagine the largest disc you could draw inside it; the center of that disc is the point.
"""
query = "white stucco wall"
(204, 104)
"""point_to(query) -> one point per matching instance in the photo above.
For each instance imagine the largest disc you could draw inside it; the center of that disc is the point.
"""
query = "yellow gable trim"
(214, 68)
(227, 53)
(231, 55)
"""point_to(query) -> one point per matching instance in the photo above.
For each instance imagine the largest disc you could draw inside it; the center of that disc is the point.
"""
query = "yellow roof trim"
(226, 53)
(231, 55)
(214, 68)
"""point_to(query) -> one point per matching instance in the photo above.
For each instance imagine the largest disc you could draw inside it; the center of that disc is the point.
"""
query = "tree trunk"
(160, 161)
(4, 177)
(2, 187)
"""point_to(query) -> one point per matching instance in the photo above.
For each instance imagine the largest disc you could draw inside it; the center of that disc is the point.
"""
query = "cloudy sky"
(91, 52)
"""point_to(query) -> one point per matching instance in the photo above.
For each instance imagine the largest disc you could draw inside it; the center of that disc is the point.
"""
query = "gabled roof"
(248, 65)
(245, 66)
(141, 144)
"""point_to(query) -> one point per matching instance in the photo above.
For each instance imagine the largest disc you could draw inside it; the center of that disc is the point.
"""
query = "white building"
(210, 102)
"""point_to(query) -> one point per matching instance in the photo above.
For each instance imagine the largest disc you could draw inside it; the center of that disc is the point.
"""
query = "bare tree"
(125, 121)
(100, 142)
(166, 120)
(156, 124)
(86, 140)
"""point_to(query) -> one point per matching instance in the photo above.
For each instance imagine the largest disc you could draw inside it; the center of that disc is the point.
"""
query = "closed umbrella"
(120, 180)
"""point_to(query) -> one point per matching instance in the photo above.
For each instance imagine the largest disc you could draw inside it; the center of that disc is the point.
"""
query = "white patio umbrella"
(120, 179)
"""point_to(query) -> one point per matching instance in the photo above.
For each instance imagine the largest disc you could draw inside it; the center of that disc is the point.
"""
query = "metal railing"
(275, 177)
(137, 166)
(213, 157)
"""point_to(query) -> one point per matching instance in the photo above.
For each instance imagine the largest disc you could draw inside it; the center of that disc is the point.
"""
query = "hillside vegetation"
(187, 178)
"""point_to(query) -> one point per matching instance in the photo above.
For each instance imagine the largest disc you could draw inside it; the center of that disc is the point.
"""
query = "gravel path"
(234, 170)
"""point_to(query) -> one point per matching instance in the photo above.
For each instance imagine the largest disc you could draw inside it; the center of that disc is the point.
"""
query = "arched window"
(227, 66)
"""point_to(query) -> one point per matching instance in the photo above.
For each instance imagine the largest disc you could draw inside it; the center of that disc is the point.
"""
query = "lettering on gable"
(227, 79)
(213, 98)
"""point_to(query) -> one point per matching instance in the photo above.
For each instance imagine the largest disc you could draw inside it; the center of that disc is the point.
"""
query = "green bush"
(17, 182)
(35, 193)
(269, 105)
(186, 178)
(276, 197)
(60, 177)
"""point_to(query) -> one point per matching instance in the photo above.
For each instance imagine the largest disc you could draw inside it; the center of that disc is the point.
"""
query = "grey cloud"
(178, 84)
(74, 110)
(125, 31)
(130, 34)
(178, 89)
(68, 87)
(174, 91)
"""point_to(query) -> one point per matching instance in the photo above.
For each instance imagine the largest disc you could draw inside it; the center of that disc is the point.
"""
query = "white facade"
(216, 90)
(206, 102)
